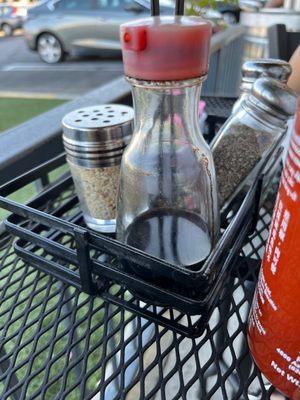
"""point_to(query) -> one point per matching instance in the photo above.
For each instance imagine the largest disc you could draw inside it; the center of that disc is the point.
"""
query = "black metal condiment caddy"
(58, 244)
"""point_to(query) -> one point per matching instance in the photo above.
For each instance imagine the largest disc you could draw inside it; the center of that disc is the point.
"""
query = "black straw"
(179, 7)
(154, 8)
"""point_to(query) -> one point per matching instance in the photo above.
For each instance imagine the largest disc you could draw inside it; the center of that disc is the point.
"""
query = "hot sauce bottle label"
(274, 324)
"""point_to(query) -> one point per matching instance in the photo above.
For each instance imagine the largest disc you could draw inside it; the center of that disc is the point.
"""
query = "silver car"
(11, 18)
(58, 27)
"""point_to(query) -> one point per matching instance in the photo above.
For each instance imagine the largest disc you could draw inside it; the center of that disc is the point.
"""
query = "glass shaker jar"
(257, 127)
(264, 67)
(94, 139)
(167, 203)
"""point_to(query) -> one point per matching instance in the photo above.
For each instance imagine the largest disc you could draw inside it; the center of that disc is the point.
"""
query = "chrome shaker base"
(100, 225)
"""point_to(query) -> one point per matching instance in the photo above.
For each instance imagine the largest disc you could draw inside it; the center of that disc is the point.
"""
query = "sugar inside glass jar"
(94, 139)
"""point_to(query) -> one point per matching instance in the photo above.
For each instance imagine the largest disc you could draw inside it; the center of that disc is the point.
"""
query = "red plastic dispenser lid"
(166, 48)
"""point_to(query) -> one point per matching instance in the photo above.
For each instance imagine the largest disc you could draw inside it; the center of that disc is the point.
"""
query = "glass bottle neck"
(168, 104)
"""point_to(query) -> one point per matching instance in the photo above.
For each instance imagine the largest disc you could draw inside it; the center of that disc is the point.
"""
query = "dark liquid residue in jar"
(178, 237)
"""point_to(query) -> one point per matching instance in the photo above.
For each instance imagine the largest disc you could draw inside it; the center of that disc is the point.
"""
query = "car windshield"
(163, 3)
(121, 4)
(6, 10)
(94, 4)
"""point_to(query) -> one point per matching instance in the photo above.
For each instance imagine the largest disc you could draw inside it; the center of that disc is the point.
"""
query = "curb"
(33, 95)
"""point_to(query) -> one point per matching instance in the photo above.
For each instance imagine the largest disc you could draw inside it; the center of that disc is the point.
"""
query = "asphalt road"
(23, 73)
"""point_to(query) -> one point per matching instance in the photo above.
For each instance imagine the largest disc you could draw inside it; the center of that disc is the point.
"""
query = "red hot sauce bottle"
(274, 324)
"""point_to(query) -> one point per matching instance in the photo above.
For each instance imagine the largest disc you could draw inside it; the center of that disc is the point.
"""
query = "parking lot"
(23, 74)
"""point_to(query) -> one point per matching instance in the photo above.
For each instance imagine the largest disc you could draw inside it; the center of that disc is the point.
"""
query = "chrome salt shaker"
(265, 67)
(94, 139)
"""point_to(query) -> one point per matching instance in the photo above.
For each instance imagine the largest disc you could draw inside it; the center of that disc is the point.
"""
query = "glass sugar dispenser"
(94, 139)
(168, 205)
(262, 67)
(256, 128)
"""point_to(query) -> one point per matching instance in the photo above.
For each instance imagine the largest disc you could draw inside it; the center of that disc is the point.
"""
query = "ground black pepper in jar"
(250, 133)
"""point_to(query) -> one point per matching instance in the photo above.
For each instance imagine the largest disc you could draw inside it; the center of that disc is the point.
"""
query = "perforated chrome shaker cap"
(97, 136)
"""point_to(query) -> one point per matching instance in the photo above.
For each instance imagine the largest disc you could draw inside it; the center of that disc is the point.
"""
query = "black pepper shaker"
(257, 127)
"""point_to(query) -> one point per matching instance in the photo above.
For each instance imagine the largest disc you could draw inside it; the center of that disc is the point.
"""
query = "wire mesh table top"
(58, 343)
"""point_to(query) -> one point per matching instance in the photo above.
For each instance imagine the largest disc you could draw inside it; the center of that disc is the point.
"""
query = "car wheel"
(7, 29)
(49, 48)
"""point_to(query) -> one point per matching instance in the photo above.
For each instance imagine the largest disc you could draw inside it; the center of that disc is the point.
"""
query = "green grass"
(15, 111)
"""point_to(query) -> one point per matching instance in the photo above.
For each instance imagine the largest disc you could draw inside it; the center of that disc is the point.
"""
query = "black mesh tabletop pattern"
(57, 343)
(219, 107)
